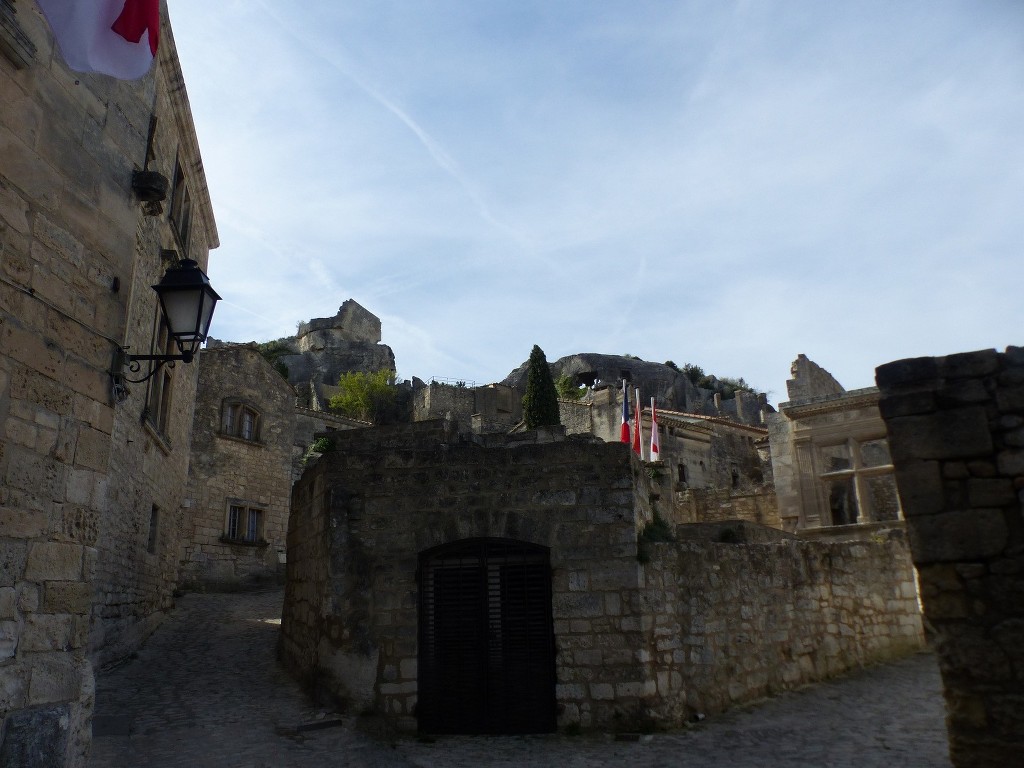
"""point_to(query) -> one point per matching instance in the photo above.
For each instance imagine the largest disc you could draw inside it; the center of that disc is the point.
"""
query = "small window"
(240, 420)
(181, 207)
(244, 524)
(682, 473)
(154, 529)
(158, 411)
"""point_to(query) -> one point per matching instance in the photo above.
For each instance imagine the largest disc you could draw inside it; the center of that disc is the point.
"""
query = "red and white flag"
(638, 427)
(113, 37)
(655, 442)
(624, 429)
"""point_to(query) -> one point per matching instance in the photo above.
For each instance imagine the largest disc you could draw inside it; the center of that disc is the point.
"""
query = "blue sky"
(722, 183)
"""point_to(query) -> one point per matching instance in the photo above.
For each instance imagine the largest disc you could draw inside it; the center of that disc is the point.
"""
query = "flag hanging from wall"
(655, 441)
(112, 37)
(638, 439)
(624, 431)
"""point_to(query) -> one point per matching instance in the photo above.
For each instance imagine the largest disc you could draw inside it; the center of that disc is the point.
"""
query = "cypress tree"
(540, 403)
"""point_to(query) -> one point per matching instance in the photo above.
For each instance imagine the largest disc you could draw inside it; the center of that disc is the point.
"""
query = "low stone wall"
(956, 432)
(737, 622)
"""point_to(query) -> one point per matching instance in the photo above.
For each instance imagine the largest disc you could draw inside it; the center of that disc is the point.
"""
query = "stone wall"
(490, 408)
(711, 505)
(734, 622)
(91, 488)
(956, 430)
(362, 515)
(646, 633)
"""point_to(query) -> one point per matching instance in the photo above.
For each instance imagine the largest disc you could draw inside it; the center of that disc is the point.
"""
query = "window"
(158, 409)
(181, 207)
(240, 420)
(154, 528)
(244, 524)
(859, 483)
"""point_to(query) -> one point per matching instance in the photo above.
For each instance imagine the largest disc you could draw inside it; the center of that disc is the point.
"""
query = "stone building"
(710, 468)
(472, 585)
(956, 427)
(830, 454)
(249, 441)
(92, 475)
(488, 408)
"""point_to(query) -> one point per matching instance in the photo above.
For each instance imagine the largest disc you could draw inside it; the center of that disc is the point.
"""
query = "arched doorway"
(486, 642)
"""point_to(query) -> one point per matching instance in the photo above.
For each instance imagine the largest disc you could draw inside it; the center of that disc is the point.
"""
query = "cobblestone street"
(205, 691)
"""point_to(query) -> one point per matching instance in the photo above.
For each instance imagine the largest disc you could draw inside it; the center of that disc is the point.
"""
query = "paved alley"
(206, 692)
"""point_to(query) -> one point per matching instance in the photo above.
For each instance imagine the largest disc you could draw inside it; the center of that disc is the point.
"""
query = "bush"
(366, 396)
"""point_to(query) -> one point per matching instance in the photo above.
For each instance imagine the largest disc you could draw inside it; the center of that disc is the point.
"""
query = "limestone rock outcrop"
(671, 387)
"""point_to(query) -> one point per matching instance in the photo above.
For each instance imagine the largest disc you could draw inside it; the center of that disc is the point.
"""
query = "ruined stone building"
(249, 443)
(92, 475)
(466, 584)
(324, 348)
(830, 454)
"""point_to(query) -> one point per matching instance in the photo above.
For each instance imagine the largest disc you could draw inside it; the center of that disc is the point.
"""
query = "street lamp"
(186, 302)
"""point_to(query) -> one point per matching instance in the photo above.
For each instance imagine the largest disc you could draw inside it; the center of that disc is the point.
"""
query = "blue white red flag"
(638, 428)
(624, 432)
(655, 441)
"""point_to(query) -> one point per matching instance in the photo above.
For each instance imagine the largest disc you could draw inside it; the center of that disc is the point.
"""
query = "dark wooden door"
(486, 643)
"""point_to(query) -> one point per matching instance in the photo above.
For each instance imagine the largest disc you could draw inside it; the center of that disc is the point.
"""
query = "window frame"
(244, 524)
(240, 420)
(160, 393)
(858, 475)
(180, 210)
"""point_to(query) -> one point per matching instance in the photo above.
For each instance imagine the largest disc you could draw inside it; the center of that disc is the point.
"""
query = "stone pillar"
(956, 432)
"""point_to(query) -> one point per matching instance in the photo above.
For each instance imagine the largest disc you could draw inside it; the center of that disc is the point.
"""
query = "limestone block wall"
(709, 505)
(734, 622)
(228, 470)
(956, 432)
(646, 633)
(361, 516)
(89, 489)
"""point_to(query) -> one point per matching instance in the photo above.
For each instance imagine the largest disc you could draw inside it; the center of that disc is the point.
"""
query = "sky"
(727, 183)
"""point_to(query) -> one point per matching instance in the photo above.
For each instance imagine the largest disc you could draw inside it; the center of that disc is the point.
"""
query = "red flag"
(113, 37)
(655, 441)
(638, 429)
(624, 431)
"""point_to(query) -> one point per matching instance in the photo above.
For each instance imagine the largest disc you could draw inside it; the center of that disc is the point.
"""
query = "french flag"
(112, 37)
(655, 441)
(638, 429)
(624, 435)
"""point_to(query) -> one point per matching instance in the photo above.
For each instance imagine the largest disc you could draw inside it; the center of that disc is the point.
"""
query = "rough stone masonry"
(956, 431)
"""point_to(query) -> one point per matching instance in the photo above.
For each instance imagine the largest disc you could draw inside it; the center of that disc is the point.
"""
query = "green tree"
(540, 403)
(566, 388)
(694, 373)
(366, 396)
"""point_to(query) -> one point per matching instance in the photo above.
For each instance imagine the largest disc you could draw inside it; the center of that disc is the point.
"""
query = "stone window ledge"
(260, 544)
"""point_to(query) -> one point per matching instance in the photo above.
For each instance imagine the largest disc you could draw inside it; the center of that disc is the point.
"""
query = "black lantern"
(187, 301)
